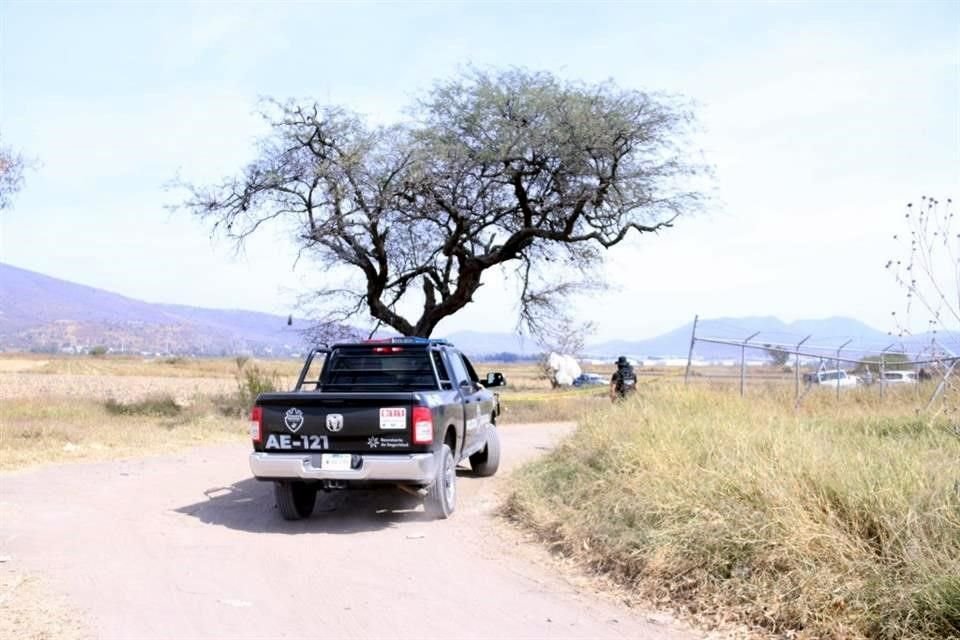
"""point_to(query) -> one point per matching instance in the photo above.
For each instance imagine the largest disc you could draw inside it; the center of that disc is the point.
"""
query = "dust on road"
(190, 545)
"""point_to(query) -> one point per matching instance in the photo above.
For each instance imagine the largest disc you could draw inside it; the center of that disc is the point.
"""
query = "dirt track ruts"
(190, 546)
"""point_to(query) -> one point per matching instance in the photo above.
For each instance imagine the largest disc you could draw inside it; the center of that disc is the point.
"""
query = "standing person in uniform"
(623, 382)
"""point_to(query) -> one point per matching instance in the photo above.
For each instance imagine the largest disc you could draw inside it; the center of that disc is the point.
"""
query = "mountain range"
(42, 313)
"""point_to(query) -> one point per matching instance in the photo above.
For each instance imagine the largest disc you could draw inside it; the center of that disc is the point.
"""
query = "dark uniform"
(623, 382)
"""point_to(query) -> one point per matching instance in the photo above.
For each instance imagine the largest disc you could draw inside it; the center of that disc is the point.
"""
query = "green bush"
(98, 351)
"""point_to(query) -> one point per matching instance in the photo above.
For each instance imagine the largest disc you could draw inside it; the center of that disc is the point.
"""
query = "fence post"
(693, 338)
(743, 359)
(883, 367)
(883, 370)
(939, 389)
(797, 368)
(947, 374)
(838, 365)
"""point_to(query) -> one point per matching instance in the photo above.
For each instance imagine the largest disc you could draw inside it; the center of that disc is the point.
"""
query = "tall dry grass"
(842, 520)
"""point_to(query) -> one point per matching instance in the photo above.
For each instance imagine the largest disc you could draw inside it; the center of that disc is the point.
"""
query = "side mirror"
(495, 380)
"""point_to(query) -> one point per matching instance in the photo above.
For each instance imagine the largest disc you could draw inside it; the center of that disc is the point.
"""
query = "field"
(837, 520)
(71, 409)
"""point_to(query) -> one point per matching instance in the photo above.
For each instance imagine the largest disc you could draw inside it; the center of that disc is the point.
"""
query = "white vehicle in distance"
(836, 378)
(899, 377)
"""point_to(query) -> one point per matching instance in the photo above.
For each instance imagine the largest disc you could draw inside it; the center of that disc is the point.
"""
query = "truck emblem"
(293, 418)
(334, 422)
(373, 442)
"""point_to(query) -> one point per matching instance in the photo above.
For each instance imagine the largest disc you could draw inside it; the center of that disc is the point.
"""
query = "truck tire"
(485, 463)
(441, 497)
(294, 499)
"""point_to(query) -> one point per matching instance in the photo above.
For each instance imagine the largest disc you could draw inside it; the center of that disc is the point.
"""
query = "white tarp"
(563, 368)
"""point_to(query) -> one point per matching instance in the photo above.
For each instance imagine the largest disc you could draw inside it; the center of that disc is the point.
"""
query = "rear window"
(350, 370)
(899, 375)
(833, 375)
(441, 370)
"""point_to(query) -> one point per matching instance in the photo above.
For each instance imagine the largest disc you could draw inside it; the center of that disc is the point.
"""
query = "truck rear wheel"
(294, 499)
(485, 463)
(441, 497)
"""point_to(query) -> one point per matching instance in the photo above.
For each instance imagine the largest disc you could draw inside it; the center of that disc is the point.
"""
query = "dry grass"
(127, 379)
(529, 398)
(77, 409)
(169, 367)
(21, 386)
(527, 411)
(57, 409)
(840, 521)
(161, 406)
(65, 429)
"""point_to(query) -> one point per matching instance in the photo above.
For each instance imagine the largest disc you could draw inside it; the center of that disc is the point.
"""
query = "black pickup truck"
(403, 411)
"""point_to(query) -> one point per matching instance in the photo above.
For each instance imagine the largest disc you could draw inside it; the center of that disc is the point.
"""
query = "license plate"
(336, 461)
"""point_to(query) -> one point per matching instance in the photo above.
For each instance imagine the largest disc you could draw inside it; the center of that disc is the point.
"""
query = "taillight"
(422, 425)
(256, 424)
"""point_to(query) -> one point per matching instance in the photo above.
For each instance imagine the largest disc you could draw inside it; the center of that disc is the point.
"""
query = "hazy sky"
(821, 120)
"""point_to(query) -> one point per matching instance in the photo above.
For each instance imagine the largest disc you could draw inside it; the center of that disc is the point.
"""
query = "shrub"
(163, 405)
(252, 381)
(98, 351)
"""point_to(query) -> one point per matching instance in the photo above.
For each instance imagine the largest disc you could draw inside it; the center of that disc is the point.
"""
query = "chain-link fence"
(807, 363)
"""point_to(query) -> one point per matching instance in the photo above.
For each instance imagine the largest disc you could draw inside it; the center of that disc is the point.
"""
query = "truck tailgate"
(338, 422)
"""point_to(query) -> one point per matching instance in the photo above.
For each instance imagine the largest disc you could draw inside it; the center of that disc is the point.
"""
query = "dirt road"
(189, 546)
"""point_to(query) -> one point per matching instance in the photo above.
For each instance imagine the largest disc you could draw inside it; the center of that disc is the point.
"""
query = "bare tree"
(495, 168)
(564, 337)
(12, 165)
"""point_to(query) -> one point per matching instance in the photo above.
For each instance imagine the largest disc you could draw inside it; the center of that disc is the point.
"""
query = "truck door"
(485, 400)
(472, 409)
